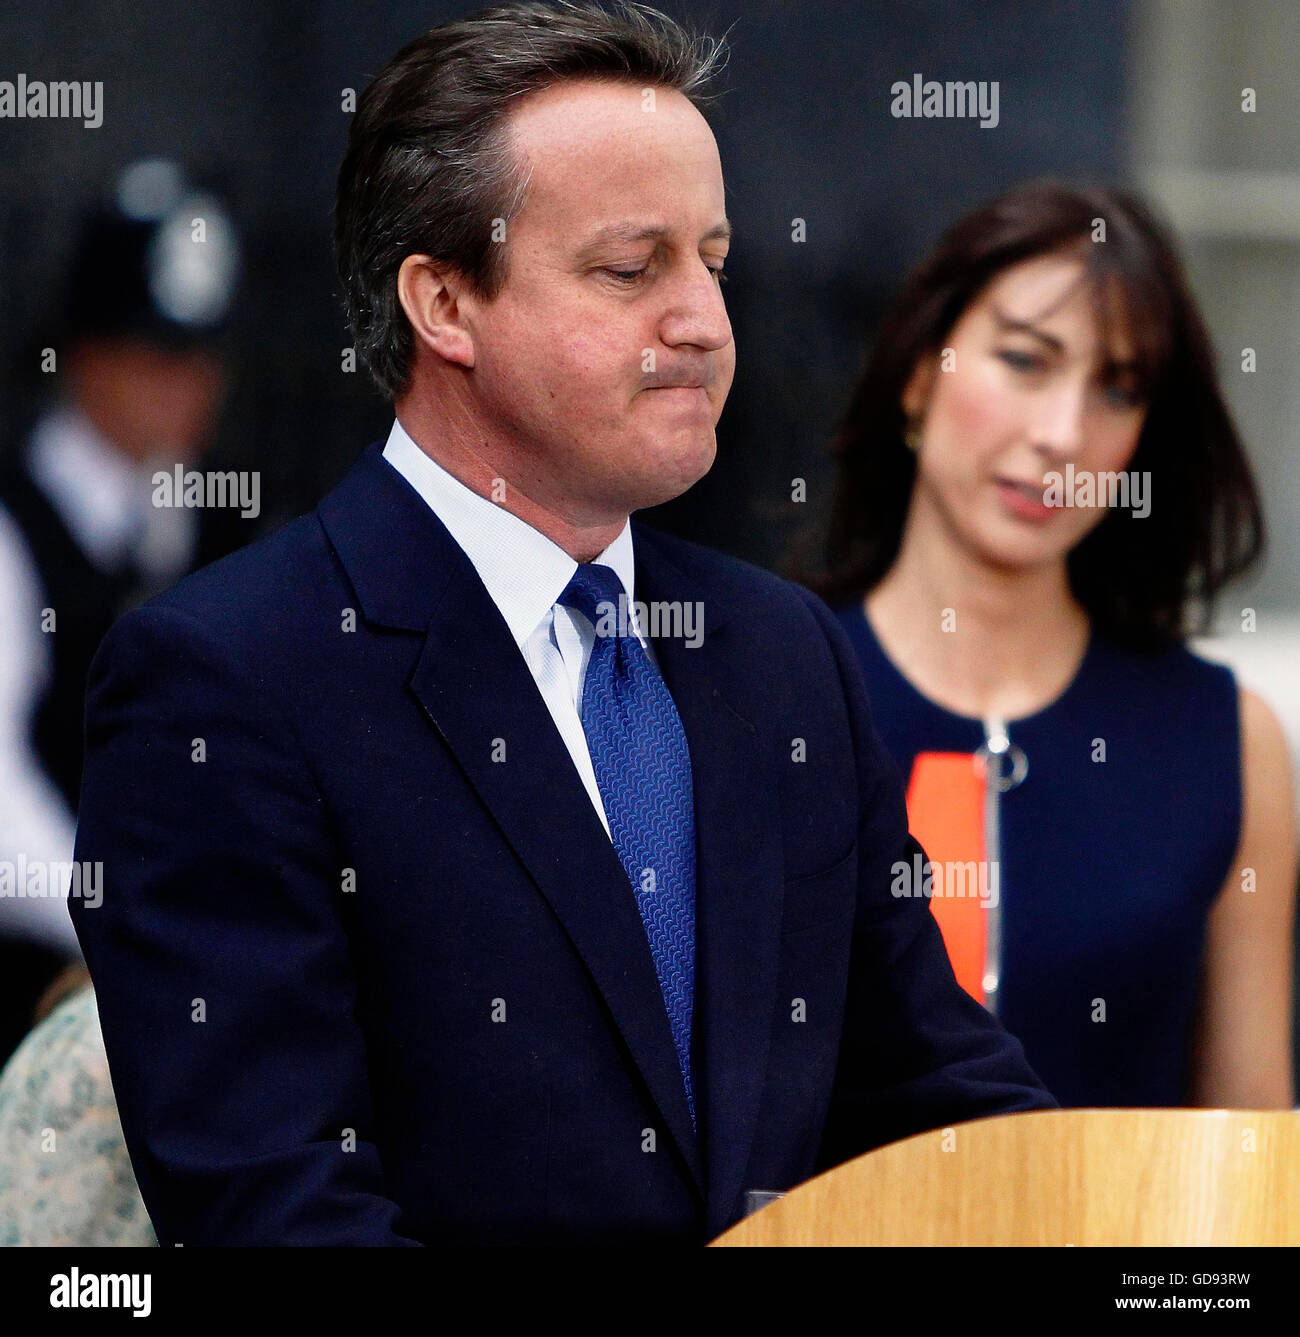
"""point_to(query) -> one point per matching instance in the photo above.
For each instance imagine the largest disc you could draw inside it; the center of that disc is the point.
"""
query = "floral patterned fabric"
(65, 1177)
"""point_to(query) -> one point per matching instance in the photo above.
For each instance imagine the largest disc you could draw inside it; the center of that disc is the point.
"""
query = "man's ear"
(429, 294)
(916, 393)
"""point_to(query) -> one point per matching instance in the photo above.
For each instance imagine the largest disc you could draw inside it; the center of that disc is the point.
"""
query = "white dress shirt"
(34, 819)
(106, 498)
(525, 573)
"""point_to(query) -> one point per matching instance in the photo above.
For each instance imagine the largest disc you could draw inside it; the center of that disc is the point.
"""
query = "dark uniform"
(114, 291)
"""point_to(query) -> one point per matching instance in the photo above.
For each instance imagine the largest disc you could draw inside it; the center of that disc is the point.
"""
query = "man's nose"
(697, 315)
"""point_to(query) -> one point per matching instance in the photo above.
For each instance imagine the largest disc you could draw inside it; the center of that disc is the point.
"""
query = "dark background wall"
(253, 92)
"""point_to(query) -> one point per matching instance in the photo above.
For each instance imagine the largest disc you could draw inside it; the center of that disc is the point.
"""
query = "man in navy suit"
(480, 866)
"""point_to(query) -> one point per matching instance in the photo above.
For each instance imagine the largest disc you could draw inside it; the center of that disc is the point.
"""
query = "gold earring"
(912, 436)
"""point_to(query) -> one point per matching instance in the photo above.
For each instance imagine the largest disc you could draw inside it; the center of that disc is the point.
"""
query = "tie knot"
(593, 591)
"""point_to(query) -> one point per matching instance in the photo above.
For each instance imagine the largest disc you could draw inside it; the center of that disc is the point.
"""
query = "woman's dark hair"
(429, 169)
(1145, 582)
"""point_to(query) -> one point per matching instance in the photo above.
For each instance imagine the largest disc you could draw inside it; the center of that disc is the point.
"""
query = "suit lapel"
(738, 868)
(474, 686)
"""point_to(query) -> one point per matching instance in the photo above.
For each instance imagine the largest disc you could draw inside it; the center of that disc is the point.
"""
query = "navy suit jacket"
(369, 970)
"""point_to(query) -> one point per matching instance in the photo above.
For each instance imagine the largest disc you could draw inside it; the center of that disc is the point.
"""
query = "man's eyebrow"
(632, 232)
(1009, 323)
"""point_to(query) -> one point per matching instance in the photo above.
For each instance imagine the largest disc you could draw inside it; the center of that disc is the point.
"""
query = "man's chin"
(682, 467)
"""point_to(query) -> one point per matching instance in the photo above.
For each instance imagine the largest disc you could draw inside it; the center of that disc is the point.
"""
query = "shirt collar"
(523, 571)
(100, 493)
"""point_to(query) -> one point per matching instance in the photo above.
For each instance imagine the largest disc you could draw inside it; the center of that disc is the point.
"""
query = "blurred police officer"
(138, 373)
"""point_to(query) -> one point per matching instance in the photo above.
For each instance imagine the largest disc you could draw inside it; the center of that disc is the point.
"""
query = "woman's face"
(1024, 388)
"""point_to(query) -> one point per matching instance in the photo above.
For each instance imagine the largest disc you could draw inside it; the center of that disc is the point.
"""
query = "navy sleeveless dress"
(1108, 868)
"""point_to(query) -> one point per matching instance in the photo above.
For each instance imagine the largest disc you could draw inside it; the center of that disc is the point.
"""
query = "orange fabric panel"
(945, 811)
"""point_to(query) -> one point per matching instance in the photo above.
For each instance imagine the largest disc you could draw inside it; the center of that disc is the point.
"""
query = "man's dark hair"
(429, 169)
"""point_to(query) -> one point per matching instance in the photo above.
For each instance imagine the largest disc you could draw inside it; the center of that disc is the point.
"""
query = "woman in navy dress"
(1139, 820)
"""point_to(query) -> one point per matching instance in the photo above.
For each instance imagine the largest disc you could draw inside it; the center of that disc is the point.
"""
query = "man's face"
(152, 403)
(605, 359)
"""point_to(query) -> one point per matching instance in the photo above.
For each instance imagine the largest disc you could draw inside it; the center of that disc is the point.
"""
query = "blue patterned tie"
(643, 769)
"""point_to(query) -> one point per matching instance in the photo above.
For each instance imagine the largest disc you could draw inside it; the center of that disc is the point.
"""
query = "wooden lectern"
(1083, 1177)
